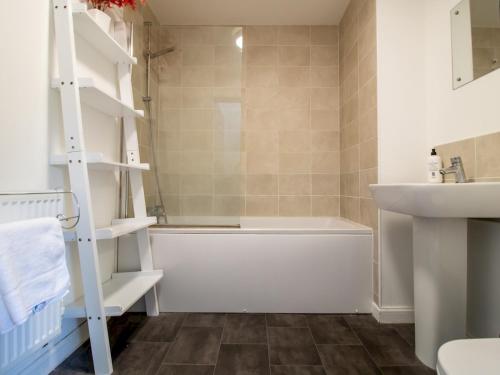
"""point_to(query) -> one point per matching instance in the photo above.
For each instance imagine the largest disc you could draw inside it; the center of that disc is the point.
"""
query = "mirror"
(475, 31)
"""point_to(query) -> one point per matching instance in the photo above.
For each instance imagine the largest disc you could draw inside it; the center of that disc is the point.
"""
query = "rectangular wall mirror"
(475, 26)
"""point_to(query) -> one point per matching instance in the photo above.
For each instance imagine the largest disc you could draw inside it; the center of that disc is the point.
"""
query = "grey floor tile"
(140, 358)
(292, 346)
(245, 329)
(297, 370)
(361, 321)
(162, 328)
(387, 347)
(195, 345)
(205, 320)
(406, 331)
(407, 370)
(246, 359)
(347, 360)
(286, 320)
(167, 369)
(331, 329)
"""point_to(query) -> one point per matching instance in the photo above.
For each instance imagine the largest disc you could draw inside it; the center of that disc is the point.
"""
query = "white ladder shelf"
(117, 295)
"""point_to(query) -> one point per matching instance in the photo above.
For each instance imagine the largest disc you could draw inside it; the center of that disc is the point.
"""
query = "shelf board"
(88, 29)
(120, 293)
(121, 227)
(97, 161)
(96, 98)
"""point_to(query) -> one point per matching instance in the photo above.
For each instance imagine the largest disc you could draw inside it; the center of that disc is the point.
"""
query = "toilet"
(469, 357)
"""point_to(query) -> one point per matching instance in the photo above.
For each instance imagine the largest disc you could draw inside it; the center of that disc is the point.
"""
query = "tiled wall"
(138, 17)
(486, 49)
(480, 155)
(283, 159)
(291, 127)
(358, 117)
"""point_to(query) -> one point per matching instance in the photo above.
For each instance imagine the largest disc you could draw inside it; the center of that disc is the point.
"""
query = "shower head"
(154, 55)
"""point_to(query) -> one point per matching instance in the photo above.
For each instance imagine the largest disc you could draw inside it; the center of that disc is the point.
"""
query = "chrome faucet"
(456, 168)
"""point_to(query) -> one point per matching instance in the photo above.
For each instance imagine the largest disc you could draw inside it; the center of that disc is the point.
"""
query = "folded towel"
(33, 269)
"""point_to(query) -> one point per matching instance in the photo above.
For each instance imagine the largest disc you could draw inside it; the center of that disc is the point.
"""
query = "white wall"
(30, 127)
(467, 112)
(418, 109)
(401, 128)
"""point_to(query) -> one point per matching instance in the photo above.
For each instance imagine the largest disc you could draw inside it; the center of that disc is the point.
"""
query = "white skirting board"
(393, 314)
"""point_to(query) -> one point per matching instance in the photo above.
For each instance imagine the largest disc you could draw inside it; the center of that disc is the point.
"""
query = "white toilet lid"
(466, 357)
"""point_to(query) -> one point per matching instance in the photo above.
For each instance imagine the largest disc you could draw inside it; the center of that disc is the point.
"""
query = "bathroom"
(236, 187)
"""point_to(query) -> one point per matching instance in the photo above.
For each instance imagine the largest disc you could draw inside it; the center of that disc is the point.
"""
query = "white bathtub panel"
(264, 273)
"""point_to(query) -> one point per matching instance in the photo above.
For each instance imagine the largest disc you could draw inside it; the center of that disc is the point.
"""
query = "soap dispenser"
(434, 165)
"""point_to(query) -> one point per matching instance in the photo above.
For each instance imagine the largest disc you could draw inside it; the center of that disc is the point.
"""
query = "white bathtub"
(292, 265)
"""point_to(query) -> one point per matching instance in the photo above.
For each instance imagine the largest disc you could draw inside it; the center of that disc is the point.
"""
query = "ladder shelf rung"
(121, 227)
(120, 293)
(87, 28)
(98, 99)
(97, 161)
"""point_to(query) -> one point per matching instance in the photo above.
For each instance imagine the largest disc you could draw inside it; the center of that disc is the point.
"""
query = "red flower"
(104, 4)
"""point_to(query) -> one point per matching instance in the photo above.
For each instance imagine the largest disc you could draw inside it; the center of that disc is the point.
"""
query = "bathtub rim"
(352, 229)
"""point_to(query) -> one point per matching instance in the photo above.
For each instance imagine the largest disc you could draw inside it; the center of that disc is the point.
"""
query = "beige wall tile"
(196, 184)
(294, 56)
(368, 97)
(261, 206)
(228, 206)
(368, 155)
(262, 76)
(368, 68)
(488, 156)
(261, 184)
(325, 141)
(324, 98)
(258, 141)
(349, 160)
(196, 119)
(295, 206)
(366, 178)
(262, 163)
(295, 184)
(368, 125)
(196, 205)
(368, 213)
(325, 206)
(227, 55)
(324, 35)
(349, 208)
(294, 76)
(261, 35)
(299, 162)
(294, 141)
(349, 111)
(295, 35)
(325, 162)
(198, 55)
(350, 136)
(325, 120)
(228, 184)
(199, 76)
(324, 56)
(349, 184)
(261, 55)
(325, 184)
(294, 119)
(262, 119)
(324, 76)
(197, 97)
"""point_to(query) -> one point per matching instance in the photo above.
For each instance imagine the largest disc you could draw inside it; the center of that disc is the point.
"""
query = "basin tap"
(456, 168)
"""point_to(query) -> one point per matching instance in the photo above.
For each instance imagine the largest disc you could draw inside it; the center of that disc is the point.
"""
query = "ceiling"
(249, 12)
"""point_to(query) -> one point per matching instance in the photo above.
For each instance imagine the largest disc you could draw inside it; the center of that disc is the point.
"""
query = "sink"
(440, 213)
(480, 200)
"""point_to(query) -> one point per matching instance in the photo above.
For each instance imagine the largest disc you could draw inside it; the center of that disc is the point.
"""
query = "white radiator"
(30, 336)
(46, 324)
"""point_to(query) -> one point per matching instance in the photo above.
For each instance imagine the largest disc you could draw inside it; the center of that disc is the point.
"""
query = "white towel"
(33, 269)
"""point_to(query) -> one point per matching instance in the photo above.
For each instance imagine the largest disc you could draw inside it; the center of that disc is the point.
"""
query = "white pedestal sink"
(440, 214)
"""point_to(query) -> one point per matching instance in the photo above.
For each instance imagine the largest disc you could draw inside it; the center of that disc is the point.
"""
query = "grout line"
(268, 344)
(220, 343)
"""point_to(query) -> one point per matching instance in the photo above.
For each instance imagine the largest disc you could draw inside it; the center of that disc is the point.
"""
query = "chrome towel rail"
(61, 216)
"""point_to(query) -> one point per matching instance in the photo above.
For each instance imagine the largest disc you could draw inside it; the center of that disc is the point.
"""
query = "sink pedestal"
(440, 284)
